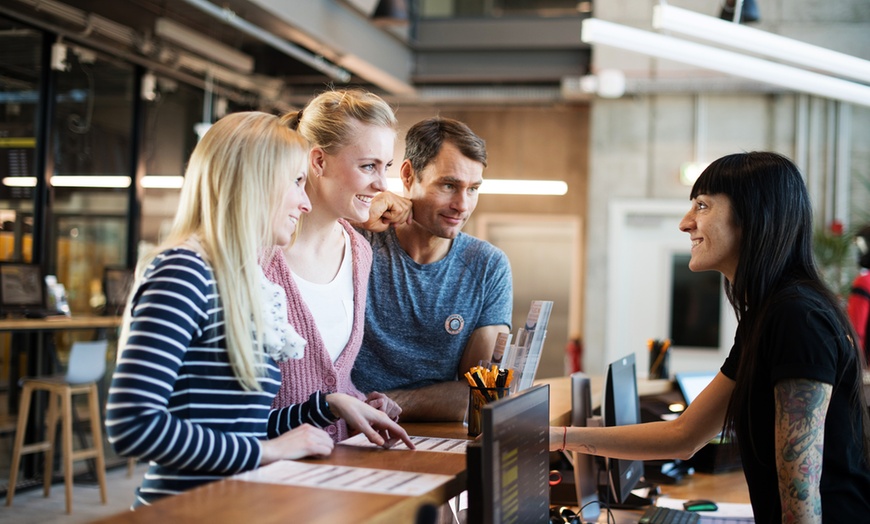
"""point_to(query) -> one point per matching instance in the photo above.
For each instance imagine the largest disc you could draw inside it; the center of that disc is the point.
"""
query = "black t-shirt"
(803, 339)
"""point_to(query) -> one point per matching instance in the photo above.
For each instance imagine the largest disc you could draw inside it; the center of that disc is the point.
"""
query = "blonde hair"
(327, 121)
(234, 182)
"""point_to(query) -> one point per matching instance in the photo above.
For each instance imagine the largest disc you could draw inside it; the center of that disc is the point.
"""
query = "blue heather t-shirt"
(419, 317)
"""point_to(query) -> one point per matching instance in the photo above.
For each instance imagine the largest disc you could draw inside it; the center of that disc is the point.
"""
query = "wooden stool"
(60, 392)
(131, 466)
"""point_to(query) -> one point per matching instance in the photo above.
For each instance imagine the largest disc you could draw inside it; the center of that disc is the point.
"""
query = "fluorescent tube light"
(102, 181)
(596, 31)
(71, 181)
(162, 182)
(19, 181)
(203, 45)
(737, 36)
(495, 186)
(149, 182)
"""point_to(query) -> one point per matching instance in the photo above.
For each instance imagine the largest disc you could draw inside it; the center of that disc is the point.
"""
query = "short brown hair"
(425, 139)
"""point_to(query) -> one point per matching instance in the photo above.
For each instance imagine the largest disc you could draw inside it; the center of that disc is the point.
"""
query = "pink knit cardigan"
(315, 370)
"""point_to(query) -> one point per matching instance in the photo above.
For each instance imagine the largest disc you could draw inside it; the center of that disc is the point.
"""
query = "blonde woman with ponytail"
(325, 271)
(204, 329)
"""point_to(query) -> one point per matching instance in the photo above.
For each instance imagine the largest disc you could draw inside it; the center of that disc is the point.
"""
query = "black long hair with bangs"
(771, 208)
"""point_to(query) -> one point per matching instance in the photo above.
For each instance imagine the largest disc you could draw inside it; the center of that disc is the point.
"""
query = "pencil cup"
(477, 398)
(659, 363)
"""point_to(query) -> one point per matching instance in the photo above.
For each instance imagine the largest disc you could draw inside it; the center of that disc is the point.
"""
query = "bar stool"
(87, 365)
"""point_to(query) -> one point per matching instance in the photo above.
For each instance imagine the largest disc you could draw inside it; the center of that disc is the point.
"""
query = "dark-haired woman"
(790, 390)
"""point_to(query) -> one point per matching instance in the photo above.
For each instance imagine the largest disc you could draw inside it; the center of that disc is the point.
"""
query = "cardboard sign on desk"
(726, 512)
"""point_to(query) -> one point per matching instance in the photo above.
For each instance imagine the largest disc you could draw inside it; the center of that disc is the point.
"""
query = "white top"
(331, 304)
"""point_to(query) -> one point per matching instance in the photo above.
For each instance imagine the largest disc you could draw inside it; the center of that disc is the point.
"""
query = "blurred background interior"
(102, 102)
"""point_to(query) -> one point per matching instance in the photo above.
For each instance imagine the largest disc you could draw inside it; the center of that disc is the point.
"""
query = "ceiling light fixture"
(736, 36)
(162, 182)
(204, 46)
(19, 181)
(497, 186)
(230, 18)
(103, 182)
(95, 181)
(601, 32)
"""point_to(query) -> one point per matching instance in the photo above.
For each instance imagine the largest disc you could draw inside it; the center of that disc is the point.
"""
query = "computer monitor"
(620, 406)
(22, 288)
(584, 465)
(508, 469)
(117, 282)
(691, 384)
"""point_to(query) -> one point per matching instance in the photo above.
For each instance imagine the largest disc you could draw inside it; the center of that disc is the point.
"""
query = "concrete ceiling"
(299, 47)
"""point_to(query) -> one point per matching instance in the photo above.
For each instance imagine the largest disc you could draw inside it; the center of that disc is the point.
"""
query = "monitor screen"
(22, 287)
(117, 282)
(515, 458)
(621, 406)
(691, 384)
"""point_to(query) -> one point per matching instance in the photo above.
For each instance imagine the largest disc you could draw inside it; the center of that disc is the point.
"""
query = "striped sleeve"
(152, 410)
(315, 412)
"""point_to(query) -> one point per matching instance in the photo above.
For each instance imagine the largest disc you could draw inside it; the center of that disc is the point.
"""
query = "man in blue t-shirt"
(437, 298)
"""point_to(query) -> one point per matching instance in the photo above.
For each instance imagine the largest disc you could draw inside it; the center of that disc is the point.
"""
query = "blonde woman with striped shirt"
(204, 329)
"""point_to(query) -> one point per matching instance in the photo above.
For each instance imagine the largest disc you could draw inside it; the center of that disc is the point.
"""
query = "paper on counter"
(443, 445)
(345, 478)
(728, 511)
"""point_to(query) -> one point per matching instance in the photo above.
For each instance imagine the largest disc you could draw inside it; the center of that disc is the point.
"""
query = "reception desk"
(231, 501)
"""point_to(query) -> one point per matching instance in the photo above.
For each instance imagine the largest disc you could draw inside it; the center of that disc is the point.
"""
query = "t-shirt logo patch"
(454, 324)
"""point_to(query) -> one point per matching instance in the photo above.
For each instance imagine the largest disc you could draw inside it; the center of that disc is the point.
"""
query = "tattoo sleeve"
(801, 406)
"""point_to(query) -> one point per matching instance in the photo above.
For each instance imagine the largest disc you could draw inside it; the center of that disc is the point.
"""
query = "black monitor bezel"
(22, 308)
(623, 475)
(113, 305)
(492, 414)
(584, 465)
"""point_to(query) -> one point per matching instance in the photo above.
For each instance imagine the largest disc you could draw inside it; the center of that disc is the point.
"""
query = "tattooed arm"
(801, 407)
(679, 438)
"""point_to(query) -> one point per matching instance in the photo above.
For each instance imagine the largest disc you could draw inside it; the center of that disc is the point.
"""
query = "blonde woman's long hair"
(234, 183)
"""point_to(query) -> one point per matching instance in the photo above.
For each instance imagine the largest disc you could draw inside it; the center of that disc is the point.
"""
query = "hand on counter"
(373, 423)
(303, 441)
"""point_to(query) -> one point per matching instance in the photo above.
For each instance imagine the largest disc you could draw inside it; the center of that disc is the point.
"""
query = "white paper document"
(728, 512)
(443, 445)
(345, 478)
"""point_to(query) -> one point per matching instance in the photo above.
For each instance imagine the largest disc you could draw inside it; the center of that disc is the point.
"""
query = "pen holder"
(659, 362)
(477, 398)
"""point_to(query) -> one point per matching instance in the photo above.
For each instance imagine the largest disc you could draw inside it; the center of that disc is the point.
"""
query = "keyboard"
(660, 515)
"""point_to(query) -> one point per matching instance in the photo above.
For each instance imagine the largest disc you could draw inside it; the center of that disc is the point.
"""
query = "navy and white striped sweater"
(174, 400)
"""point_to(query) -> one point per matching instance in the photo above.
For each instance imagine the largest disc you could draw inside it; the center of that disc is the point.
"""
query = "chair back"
(87, 362)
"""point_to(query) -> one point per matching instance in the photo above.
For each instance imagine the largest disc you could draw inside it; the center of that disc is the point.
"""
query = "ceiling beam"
(346, 38)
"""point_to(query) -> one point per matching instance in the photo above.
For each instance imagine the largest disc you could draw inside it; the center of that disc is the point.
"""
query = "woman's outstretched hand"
(373, 423)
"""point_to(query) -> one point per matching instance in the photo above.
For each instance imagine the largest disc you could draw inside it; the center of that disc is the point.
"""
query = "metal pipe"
(229, 17)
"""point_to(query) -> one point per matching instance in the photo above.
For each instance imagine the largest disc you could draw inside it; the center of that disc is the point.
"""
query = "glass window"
(170, 136)
(90, 141)
(469, 8)
(20, 73)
